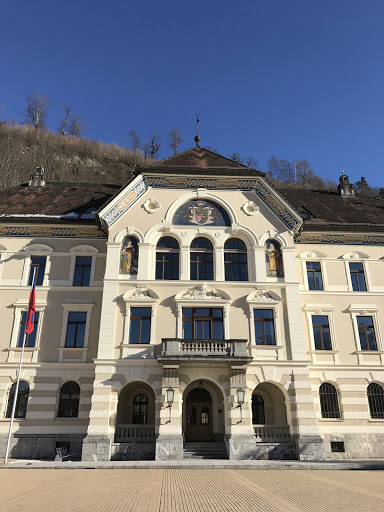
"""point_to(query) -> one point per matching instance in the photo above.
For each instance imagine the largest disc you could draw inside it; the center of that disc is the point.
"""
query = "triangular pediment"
(197, 169)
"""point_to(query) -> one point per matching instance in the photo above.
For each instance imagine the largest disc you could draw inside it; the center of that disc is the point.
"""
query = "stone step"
(209, 450)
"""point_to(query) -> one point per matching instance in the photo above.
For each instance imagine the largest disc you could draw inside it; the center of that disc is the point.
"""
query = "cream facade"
(204, 356)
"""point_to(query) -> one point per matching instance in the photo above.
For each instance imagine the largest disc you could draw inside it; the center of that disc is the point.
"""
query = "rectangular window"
(140, 328)
(321, 332)
(357, 277)
(32, 336)
(264, 327)
(76, 329)
(203, 324)
(366, 333)
(167, 265)
(82, 274)
(315, 281)
(38, 263)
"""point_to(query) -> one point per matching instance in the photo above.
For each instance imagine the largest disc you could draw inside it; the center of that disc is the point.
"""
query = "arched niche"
(275, 410)
(129, 256)
(201, 212)
(130, 409)
(273, 258)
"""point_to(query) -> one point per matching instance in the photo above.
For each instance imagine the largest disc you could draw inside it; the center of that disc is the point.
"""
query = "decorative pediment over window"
(202, 293)
(357, 255)
(260, 295)
(140, 294)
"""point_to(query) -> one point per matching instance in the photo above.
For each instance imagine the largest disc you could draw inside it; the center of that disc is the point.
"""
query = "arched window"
(375, 394)
(273, 258)
(140, 409)
(258, 410)
(69, 400)
(201, 260)
(129, 256)
(329, 401)
(21, 402)
(167, 258)
(235, 260)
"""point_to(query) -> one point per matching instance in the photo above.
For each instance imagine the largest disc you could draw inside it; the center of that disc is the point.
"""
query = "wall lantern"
(240, 401)
(170, 396)
(170, 399)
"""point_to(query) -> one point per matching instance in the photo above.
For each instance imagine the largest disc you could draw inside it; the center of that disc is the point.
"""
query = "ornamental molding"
(352, 239)
(50, 232)
(151, 205)
(250, 208)
(261, 294)
(357, 255)
(202, 293)
(140, 293)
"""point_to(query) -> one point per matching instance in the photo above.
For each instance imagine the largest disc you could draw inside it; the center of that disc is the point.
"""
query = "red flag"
(30, 325)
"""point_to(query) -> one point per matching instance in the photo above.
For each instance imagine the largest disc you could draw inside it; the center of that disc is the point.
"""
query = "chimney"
(37, 178)
(345, 188)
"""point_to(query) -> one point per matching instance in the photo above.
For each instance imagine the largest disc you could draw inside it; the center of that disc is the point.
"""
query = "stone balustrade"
(134, 433)
(177, 347)
(272, 433)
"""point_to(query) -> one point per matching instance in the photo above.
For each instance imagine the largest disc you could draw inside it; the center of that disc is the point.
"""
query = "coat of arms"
(201, 214)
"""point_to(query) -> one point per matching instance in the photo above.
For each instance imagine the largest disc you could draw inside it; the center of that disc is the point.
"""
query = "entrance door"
(199, 416)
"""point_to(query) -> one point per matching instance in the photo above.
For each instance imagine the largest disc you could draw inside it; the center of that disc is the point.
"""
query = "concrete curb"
(199, 464)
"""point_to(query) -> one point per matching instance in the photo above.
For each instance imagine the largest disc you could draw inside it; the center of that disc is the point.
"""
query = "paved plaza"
(166, 490)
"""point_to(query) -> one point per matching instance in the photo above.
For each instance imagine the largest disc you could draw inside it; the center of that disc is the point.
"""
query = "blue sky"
(298, 79)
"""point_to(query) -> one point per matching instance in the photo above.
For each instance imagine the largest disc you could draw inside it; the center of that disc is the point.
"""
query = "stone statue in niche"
(273, 258)
(129, 256)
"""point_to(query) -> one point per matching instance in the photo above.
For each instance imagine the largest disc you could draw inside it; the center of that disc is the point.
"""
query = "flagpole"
(31, 307)
(25, 340)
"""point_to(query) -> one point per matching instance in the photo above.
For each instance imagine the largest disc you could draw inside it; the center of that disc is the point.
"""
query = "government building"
(197, 311)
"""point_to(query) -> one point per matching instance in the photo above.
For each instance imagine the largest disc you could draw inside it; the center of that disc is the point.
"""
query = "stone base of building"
(240, 447)
(96, 448)
(169, 448)
(133, 451)
(42, 447)
(310, 447)
(356, 446)
(275, 451)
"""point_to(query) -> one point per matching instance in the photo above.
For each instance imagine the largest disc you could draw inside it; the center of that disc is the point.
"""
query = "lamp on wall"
(170, 399)
(240, 401)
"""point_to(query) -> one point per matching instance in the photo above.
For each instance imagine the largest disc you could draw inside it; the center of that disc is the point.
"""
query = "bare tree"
(279, 169)
(146, 149)
(75, 127)
(154, 145)
(236, 158)
(36, 110)
(304, 172)
(64, 123)
(175, 139)
(251, 162)
(135, 140)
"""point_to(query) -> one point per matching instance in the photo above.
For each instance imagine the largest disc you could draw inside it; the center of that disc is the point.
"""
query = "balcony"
(135, 434)
(177, 348)
(272, 433)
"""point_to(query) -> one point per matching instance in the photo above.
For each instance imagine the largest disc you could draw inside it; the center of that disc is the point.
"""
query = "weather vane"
(197, 138)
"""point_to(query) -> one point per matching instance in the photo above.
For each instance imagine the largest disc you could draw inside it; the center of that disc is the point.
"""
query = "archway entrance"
(199, 424)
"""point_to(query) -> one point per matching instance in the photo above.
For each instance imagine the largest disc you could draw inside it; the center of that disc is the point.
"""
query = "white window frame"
(314, 257)
(329, 311)
(263, 298)
(357, 257)
(36, 250)
(83, 250)
(372, 310)
(20, 306)
(139, 297)
(192, 298)
(75, 306)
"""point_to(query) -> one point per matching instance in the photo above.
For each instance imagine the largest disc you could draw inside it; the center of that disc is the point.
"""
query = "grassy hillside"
(64, 158)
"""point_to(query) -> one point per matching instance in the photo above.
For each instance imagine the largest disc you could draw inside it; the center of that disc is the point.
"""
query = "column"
(260, 266)
(219, 263)
(309, 443)
(184, 262)
(239, 438)
(169, 443)
(97, 444)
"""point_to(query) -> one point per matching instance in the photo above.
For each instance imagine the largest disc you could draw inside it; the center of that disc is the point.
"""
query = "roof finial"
(197, 138)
